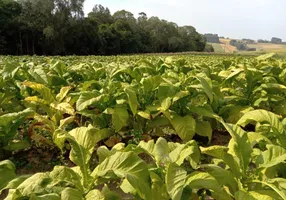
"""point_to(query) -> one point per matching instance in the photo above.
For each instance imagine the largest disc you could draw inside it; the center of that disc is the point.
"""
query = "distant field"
(226, 46)
(268, 47)
(261, 48)
(223, 47)
(280, 49)
(217, 47)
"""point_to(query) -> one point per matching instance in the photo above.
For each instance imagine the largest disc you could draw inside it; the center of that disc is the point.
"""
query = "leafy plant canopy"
(145, 127)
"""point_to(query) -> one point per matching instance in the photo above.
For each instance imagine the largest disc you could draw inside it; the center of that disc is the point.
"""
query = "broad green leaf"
(49, 120)
(63, 107)
(15, 145)
(234, 73)
(59, 138)
(166, 90)
(205, 111)
(55, 80)
(280, 193)
(166, 103)
(280, 181)
(206, 84)
(103, 152)
(10, 122)
(109, 195)
(188, 151)
(52, 196)
(87, 98)
(157, 122)
(64, 122)
(132, 99)
(203, 128)
(144, 70)
(148, 146)
(271, 157)
(7, 171)
(36, 99)
(161, 152)
(159, 190)
(126, 187)
(62, 174)
(257, 195)
(63, 93)
(262, 116)
(220, 152)
(280, 108)
(130, 166)
(175, 180)
(255, 137)
(240, 147)
(44, 91)
(37, 183)
(70, 193)
(13, 194)
(145, 114)
(10, 70)
(94, 195)
(82, 141)
(180, 95)
(233, 113)
(202, 180)
(119, 118)
(151, 83)
(185, 126)
(38, 73)
(223, 177)
(14, 183)
(266, 56)
(274, 88)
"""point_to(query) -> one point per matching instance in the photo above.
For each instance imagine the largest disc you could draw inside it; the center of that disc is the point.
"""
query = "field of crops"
(143, 127)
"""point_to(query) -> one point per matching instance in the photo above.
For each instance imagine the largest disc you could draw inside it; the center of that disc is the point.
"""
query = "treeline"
(274, 40)
(212, 38)
(59, 27)
(241, 45)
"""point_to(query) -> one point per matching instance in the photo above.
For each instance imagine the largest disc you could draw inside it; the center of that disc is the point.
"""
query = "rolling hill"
(225, 47)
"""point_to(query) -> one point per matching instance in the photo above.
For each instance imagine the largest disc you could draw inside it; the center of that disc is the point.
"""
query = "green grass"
(217, 48)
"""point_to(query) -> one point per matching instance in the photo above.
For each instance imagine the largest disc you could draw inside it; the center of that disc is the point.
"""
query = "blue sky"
(255, 19)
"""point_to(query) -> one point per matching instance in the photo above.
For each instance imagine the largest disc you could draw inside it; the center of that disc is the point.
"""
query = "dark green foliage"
(248, 41)
(240, 45)
(263, 41)
(213, 38)
(275, 40)
(209, 48)
(57, 27)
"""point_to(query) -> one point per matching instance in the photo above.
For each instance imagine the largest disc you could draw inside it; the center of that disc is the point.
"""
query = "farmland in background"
(223, 46)
(261, 48)
(268, 47)
(226, 46)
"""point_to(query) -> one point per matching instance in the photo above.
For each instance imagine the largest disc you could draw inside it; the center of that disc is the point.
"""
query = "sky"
(237, 19)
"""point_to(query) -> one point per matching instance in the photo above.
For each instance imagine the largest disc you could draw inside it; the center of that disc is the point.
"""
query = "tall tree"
(9, 12)
(101, 14)
(144, 34)
(59, 27)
